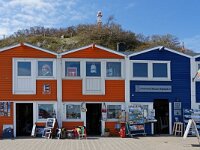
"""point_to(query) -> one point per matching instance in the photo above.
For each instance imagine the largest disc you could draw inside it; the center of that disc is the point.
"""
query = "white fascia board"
(110, 50)
(9, 47)
(159, 47)
(41, 49)
(144, 51)
(75, 50)
(100, 47)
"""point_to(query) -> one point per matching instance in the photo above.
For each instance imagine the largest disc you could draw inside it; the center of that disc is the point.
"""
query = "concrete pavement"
(102, 143)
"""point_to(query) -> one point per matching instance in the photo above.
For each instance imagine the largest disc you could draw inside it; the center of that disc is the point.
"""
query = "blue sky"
(180, 18)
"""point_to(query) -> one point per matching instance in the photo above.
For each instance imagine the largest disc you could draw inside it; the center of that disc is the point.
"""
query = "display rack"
(136, 121)
(191, 114)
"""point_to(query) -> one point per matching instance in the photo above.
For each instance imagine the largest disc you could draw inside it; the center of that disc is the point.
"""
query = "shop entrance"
(24, 119)
(162, 116)
(93, 119)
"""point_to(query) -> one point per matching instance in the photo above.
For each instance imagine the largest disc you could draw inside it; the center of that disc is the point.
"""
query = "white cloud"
(20, 14)
(193, 43)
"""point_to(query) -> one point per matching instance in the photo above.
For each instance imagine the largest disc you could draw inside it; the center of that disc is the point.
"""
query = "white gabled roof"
(159, 47)
(28, 45)
(9, 47)
(41, 49)
(93, 45)
(196, 56)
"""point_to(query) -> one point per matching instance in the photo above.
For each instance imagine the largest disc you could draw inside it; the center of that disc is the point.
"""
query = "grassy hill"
(108, 35)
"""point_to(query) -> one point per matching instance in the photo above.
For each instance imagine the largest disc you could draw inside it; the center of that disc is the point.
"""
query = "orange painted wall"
(111, 126)
(71, 125)
(93, 53)
(72, 91)
(6, 120)
(6, 74)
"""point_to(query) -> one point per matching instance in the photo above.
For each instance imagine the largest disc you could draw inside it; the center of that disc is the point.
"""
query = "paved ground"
(102, 143)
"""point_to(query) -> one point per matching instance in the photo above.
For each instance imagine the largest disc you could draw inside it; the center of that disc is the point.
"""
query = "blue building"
(160, 78)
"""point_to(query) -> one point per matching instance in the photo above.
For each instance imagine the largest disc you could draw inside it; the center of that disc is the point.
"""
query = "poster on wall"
(5, 108)
(46, 89)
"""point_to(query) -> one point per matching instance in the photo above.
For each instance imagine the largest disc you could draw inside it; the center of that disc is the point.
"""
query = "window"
(24, 68)
(45, 68)
(113, 111)
(93, 69)
(160, 70)
(151, 70)
(72, 69)
(140, 70)
(113, 69)
(73, 112)
(46, 111)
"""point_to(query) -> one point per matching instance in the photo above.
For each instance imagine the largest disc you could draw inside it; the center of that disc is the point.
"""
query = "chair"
(164, 124)
(50, 128)
(81, 130)
(178, 128)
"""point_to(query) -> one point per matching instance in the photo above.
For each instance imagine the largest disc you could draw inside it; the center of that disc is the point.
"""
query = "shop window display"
(113, 111)
(93, 69)
(72, 69)
(113, 69)
(73, 112)
(46, 111)
(45, 68)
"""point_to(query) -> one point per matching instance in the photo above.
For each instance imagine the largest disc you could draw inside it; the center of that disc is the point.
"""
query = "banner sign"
(153, 88)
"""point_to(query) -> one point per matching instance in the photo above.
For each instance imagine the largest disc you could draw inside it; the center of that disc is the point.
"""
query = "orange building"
(93, 88)
(28, 87)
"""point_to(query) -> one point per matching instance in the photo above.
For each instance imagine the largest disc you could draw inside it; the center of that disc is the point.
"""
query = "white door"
(24, 76)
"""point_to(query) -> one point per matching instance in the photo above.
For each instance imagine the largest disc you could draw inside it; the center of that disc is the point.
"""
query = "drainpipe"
(59, 90)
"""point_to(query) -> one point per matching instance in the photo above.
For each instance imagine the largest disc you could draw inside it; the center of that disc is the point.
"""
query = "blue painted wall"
(180, 80)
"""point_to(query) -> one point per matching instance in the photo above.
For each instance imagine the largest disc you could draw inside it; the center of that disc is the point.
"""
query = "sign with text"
(153, 88)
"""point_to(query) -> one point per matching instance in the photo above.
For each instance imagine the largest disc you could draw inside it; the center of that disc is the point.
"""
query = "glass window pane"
(113, 111)
(140, 70)
(93, 69)
(159, 70)
(73, 112)
(24, 69)
(46, 111)
(45, 68)
(113, 69)
(72, 69)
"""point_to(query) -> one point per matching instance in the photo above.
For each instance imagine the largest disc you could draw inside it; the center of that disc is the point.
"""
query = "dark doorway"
(162, 116)
(24, 119)
(93, 119)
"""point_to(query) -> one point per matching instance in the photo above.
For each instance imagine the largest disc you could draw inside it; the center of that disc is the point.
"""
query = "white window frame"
(150, 70)
(122, 69)
(64, 112)
(114, 103)
(64, 69)
(46, 77)
(37, 110)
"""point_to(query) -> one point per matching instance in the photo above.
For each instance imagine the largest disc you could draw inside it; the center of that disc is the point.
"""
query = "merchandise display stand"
(191, 114)
(136, 122)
